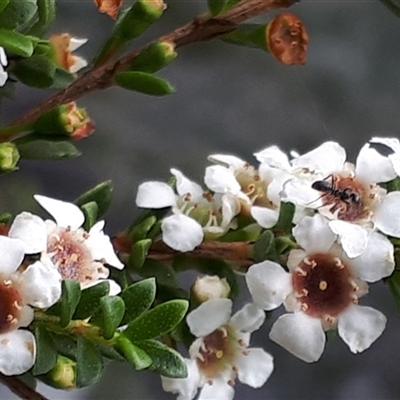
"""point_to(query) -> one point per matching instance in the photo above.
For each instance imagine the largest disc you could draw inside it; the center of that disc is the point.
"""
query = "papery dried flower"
(109, 7)
(287, 39)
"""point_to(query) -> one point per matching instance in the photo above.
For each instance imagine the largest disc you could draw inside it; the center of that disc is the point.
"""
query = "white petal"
(313, 234)
(100, 247)
(209, 316)
(254, 367)
(228, 161)
(186, 387)
(248, 319)
(17, 352)
(3, 57)
(274, 157)
(154, 194)
(185, 186)
(299, 191)
(393, 144)
(230, 208)
(65, 214)
(11, 254)
(269, 284)
(3, 76)
(41, 283)
(75, 43)
(218, 390)
(372, 167)
(360, 326)
(299, 334)
(329, 157)
(265, 217)
(181, 232)
(377, 260)
(31, 229)
(79, 63)
(353, 238)
(387, 216)
(221, 180)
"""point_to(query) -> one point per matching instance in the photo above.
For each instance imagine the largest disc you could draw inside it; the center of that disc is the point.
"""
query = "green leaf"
(248, 35)
(62, 78)
(393, 185)
(139, 253)
(46, 353)
(135, 355)
(139, 230)
(165, 361)
(285, 220)
(35, 147)
(163, 272)
(71, 294)
(143, 82)
(113, 309)
(101, 194)
(216, 6)
(16, 43)
(5, 218)
(3, 4)
(46, 16)
(90, 300)
(394, 285)
(90, 210)
(65, 345)
(110, 352)
(36, 71)
(131, 23)
(158, 321)
(89, 365)
(246, 234)
(17, 14)
(264, 247)
(138, 298)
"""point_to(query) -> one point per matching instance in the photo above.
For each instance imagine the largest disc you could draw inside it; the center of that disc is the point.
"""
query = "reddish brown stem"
(199, 29)
(20, 388)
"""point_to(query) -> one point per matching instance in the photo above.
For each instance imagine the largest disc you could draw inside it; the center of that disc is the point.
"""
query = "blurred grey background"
(237, 101)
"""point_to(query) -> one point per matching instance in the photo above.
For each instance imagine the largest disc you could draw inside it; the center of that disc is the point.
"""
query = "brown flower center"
(324, 285)
(10, 306)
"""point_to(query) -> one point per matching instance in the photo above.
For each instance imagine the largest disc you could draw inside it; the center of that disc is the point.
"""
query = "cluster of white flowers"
(35, 256)
(342, 224)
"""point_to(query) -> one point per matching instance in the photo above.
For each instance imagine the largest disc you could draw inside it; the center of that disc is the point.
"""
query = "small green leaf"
(35, 147)
(5, 218)
(285, 220)
(248, 35)
(165, 361)
(163, 272)
(264, 247)
(3, 4)
(393, 185)
(36, 71)
(110, 352)
(46, 16)
(89, 365)
(61, 78)
(90, 210)
(17, 14)
(100, 194)
(138, 231)
(46, 353)
(138, 298)
(71, 294)
(139, 253)
(158, 321)
(90, 300)
(113, 309)
(135, 355)
(143, 82)
(16, 43)
(216, 6)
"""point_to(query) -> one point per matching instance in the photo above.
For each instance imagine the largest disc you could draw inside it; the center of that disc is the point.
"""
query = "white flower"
(3, 63)
(220, 354)
(257, 190)
(322, 289)
(196, 213)
(347, 194)
(37, 285)
(77, 254)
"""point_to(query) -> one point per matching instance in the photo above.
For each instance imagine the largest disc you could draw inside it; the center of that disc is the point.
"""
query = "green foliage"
(91, 210)
(89, 362)
(16, 43)
(264, 247)
(3, 4)
(134, 354)
(36, 147)
(393, 6)
(248, 35)
(157, 321)
(17, 14)
(144, 82)
(71, 294)
(393, 185)
(112, 311)
(139, 253)
(285, 220)
(46, 14)
(139, 230)
(90, 300)
(394, 285)
(46, 353)
(5, 218)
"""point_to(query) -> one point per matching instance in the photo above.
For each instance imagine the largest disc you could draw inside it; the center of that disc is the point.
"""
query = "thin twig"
(20, 388)
(199, 29)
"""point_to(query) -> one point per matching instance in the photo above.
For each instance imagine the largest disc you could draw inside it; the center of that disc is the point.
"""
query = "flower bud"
(63, 375)
(287, 39)
(209, 287)
(67, 119)
(63, 45)
(9, 157)
(109, 7)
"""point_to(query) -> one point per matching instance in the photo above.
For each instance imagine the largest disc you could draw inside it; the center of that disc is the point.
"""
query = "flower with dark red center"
(37, 285)
(77, 254)
(220, 354)
(322, 290)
